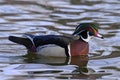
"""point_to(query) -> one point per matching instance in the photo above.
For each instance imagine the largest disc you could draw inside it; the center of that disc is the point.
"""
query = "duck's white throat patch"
(88, 37)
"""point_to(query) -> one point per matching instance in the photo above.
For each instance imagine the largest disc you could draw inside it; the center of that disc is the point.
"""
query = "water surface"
(41, 17)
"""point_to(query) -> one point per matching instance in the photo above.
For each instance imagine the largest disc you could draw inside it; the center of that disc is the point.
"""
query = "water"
(59, 17)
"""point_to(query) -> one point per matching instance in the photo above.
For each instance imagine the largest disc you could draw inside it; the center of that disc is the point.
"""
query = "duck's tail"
(23, 41)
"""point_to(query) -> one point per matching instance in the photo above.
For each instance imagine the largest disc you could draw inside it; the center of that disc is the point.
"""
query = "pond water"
(41, 17)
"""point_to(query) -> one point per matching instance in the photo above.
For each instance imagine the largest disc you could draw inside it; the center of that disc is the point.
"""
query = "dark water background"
(59, 17)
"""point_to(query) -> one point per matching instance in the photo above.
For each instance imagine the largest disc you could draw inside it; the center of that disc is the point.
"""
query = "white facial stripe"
(79, 32)
(88, 37)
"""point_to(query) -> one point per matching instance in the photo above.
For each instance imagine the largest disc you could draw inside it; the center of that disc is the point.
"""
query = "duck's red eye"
(91, 33)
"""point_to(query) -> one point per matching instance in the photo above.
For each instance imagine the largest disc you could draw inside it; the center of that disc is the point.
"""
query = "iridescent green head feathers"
(90, 28)
(85, 26)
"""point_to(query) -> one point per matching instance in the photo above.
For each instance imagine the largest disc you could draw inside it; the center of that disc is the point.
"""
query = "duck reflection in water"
(79, 61)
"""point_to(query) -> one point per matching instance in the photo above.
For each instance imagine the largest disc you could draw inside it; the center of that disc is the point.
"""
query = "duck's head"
(86, 31)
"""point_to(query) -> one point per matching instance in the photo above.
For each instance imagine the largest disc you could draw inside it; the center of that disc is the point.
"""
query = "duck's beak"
(99, 35)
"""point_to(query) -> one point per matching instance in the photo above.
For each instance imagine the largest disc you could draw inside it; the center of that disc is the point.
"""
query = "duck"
(60, 45)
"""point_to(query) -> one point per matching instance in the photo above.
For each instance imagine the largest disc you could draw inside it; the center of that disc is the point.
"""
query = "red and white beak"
(99, 35)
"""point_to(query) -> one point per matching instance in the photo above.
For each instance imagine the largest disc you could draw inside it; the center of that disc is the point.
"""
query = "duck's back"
(52, 39)
(53, 45)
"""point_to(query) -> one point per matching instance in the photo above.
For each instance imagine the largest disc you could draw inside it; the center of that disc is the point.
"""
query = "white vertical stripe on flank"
(69, 54)
(69, 50)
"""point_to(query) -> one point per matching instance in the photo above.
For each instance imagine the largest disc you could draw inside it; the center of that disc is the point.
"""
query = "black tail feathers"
(23, 41)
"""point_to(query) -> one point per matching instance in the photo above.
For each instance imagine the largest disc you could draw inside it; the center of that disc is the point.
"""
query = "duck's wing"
(62, 41)
(30, 40)
(59, 40)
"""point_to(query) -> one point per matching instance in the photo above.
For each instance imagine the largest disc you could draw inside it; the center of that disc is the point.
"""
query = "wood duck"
(59, 45)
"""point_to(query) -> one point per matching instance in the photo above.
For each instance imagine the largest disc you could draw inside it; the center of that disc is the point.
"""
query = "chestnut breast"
(79, 47)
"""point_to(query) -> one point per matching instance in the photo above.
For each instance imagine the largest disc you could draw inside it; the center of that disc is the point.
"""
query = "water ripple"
(60, 17)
